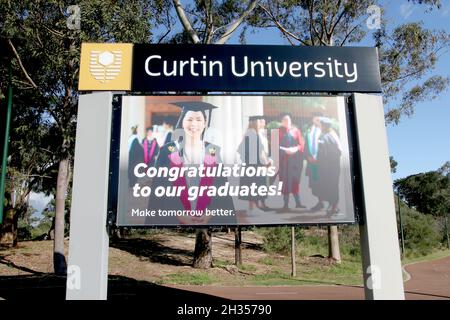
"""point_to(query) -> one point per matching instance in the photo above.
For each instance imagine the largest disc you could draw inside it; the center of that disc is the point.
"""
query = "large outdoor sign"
(234, 160)
(198, 159)
(165, 67)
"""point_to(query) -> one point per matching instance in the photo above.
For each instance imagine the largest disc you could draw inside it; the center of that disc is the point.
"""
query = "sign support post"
(87, 273)
(380, 250)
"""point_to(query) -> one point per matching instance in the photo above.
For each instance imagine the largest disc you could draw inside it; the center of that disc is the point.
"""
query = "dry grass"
(165, 257)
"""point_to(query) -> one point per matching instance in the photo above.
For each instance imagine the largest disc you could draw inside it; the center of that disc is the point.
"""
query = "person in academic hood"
(151, 148)
(190, 149)
(135, 155)
(292, 147)
(311, 151)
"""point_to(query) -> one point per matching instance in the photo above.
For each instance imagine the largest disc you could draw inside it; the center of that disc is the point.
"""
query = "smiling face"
(194, 124)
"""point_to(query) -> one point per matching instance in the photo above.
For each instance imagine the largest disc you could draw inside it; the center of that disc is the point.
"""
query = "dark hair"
(149, 129)
(317, 114)
(183, 114)
(180, 123)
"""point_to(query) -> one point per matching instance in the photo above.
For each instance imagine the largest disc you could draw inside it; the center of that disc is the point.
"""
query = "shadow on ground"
(49, 286)
(154, 251)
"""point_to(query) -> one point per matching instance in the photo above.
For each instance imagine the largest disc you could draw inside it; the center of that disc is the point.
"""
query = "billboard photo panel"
(226, 160)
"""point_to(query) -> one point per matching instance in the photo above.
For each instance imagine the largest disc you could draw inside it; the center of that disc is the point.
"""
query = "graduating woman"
(191, 150)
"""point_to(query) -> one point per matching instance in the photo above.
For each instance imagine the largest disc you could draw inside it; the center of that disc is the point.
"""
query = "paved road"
(429, 280)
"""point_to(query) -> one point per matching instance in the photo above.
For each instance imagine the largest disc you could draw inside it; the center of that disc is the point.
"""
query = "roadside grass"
(317, 271)
(268, 261)
(437, 254)
(198, 278)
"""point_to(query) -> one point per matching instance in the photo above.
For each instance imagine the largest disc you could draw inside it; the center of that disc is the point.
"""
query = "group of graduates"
(319, 147)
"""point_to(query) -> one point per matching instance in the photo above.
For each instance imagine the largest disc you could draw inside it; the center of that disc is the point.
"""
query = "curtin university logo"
(105, 66)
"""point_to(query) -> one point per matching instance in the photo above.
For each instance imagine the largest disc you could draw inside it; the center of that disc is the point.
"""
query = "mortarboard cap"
(326, 120)
(251, 118)
(194, 106)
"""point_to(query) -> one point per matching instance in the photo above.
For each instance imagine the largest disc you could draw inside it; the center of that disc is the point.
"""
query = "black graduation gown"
(167, 154)
(328, 166)
(311, 167)
(135, 156)
(248, 154)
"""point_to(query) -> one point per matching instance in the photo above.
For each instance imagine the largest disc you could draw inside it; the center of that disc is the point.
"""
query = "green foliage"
(44, 52)
(278, 239)
(393, 164)
(427, 192)
(349, 241)
(314, 22)
(24, 230)
(421, 232)
(315, 242)
(407, 52)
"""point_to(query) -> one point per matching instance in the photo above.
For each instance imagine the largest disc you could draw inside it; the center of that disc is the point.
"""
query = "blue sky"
(421, 142)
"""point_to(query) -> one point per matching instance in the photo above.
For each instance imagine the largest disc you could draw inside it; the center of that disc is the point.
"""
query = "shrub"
(421, 232)
(278, 239)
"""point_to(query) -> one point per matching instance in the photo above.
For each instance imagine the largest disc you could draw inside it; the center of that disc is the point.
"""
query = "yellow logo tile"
(105, 66)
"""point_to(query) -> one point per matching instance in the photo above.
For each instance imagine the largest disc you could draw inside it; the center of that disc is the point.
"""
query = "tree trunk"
(203, 249)
(238, 246)
(8, 230)
(59, 259)
(333, 244)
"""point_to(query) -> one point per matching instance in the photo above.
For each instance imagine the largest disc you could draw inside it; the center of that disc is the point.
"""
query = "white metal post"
(379, 238)
(87, 274)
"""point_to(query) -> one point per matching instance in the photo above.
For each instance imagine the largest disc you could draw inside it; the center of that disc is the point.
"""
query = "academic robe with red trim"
(151, 151)
(291, 165)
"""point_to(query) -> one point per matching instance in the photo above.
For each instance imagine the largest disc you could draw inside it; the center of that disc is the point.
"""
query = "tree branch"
(235, 24)
(283, 30)
(21, 65)
(348, 35)
(334, 24)
(312, 25)
(185, 21)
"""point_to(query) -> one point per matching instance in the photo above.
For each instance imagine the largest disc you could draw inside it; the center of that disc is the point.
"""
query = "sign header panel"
(257, 68)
